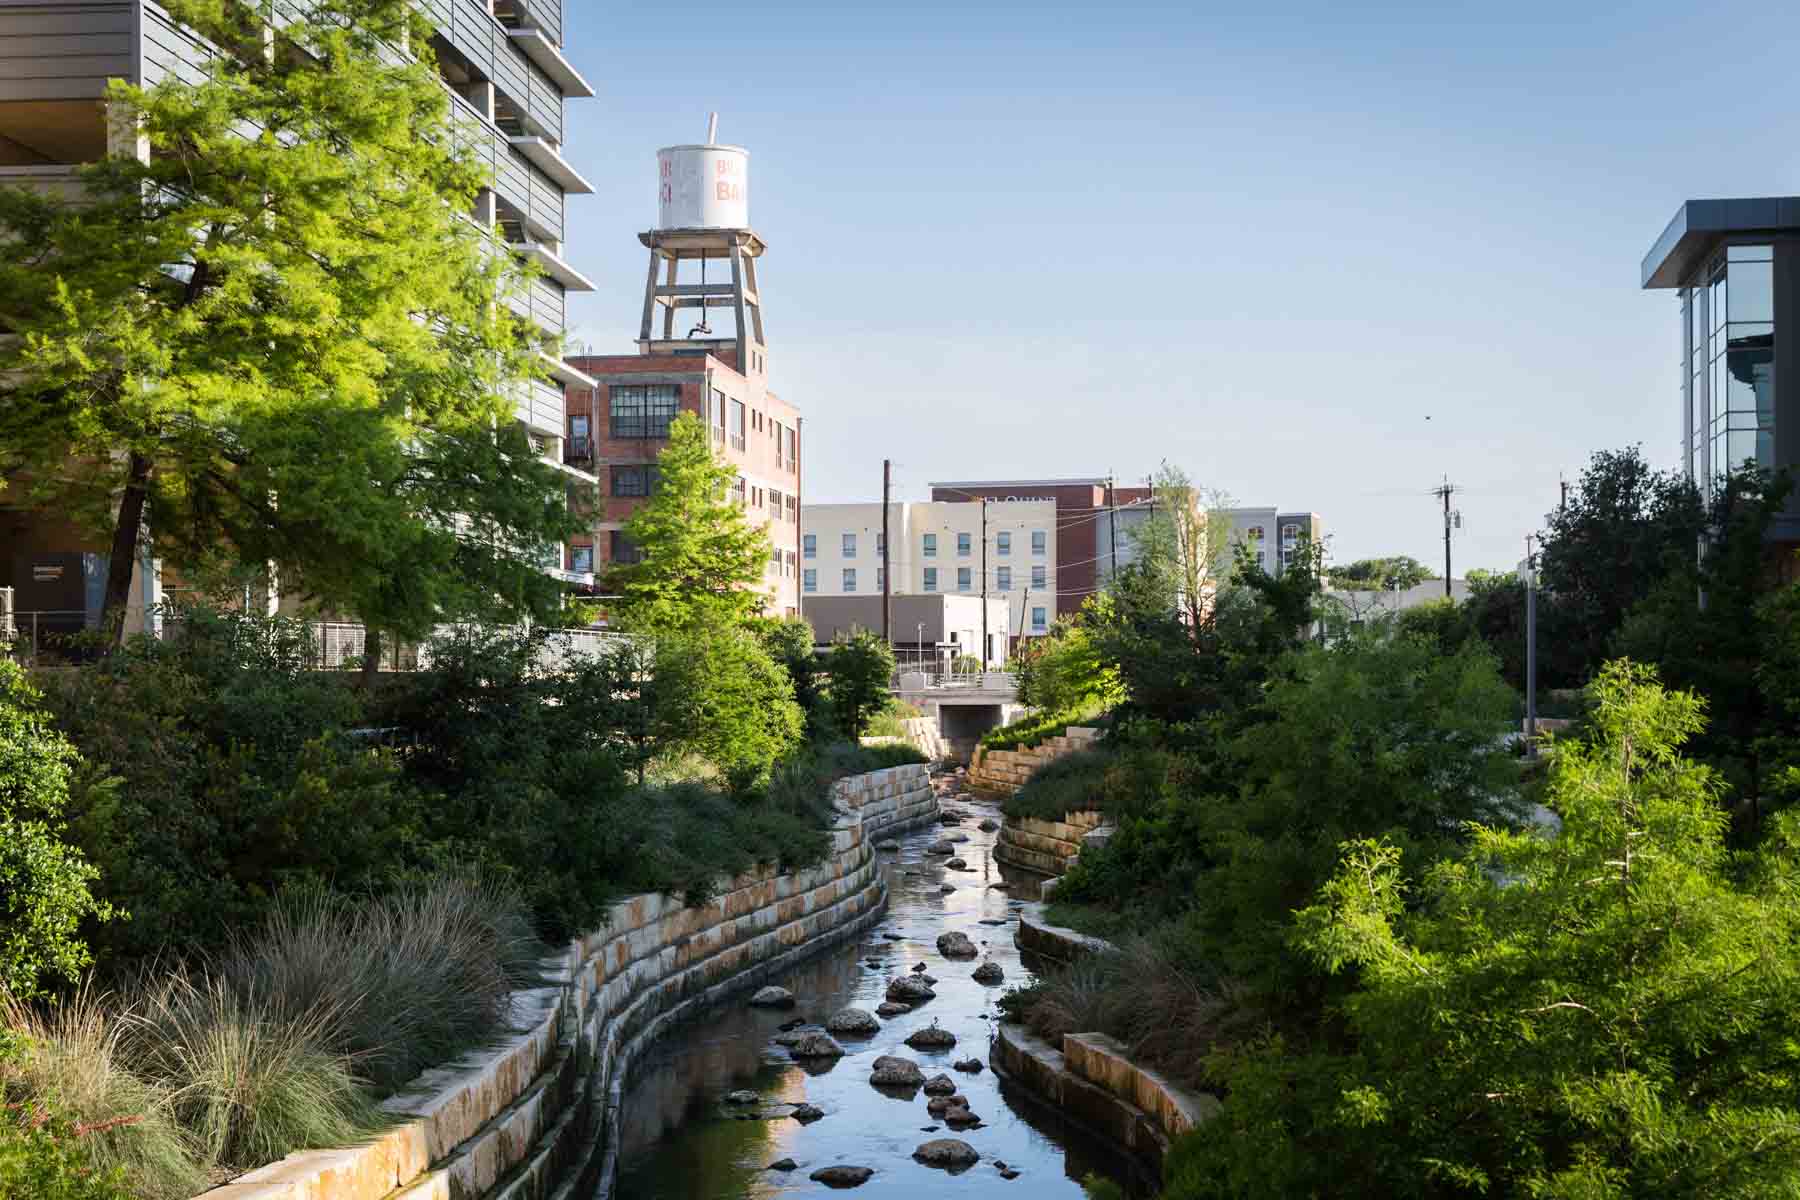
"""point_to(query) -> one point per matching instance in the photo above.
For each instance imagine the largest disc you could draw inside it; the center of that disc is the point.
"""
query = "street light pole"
(1530, 650)
(984, 586)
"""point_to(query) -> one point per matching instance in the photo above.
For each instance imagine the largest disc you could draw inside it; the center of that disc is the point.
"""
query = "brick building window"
(581, 558)
(634, 480)
(931, 579)
(643, 410)
(718, 415)
(622, 549)
(738, 490)
(774, 504)
(793, 450)
(880, 578)
(793, 508)
(737, 425)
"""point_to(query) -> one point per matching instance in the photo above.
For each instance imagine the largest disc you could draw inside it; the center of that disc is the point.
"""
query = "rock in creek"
(956, 864)
(940, 1085)
(947, 1152)
(988, 825)
(909, 990)
(894, 937)
(887, 844)
(960, 1117)
(937, 1106)
(956, 944)
(773, 997)
(941, 847)
(816, 1045)
(892, 1071)
(970, 1065)
(888, 1008)
(841, 1176)
(786, 1026)
(1009, 1173)
(992, 921)
(918, 968)
(958, 836)
(931, 1038)
(783, 1164)
(743, 1096)
(946, 889)
(989, 972)
(853, 1021)
(806, 1114)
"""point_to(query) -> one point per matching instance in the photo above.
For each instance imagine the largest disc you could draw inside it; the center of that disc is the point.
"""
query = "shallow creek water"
(680, 1139)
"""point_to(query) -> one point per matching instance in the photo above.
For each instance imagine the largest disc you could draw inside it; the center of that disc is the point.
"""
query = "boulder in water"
(888, 1008)
(931, 1038)
(940, 1085)
(806, 1114)
(772, 997)
(742, 1096)
(892, 1071)
(841, 1176)
(908, 990)
(970, 1065)
(956, 944)
(989, 972)
(941, 847)
(947, 1152)
(783, 1164)
(816, 1045)
(853, 1021)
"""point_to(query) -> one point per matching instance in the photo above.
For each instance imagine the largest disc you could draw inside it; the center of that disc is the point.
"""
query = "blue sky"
(1318, 254)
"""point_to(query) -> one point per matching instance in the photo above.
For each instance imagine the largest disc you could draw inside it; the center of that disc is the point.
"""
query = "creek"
(680, 1139)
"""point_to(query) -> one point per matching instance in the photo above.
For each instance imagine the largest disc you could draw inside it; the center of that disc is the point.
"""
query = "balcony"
(61, 181)
(554, 266)
(542, 51)
(578, 450)
(543, 154)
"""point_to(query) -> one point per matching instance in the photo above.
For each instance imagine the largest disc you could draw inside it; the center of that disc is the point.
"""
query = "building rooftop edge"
(994, 483)
(1698, 225)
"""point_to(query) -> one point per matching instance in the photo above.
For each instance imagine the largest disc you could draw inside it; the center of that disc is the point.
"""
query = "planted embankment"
(1091, 1077)
(536, 1116)
(1003, 772)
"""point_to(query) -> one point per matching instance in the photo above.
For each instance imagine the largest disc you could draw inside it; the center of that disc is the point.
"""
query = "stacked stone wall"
(1003, 772)
(537, 1117)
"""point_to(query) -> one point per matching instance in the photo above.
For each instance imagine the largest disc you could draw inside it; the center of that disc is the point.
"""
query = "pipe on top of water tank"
(712, 129)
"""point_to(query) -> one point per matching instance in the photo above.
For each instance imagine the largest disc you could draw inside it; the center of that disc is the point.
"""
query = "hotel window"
(634, 481)
(931, 579)
(809, 545)
(1037, 619)
(810, 579)
(793, 450)
(849, 545)
(880, 544)
(849, 579)
(880, 578)
(1003, 578)
(621, 549)
(793, 508)
(1003, 542)
(964, 542)
(643, 410)
(581, 558)
(1038, 540)
(718, 415)
(736, 428)
(774, 504)
(962, 579)
(930, 545)
(1290, 540)
(1253, 537)
(1038, 574)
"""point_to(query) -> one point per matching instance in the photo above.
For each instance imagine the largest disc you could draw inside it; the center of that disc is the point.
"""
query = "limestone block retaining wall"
(922, 734)
(536, 1117)
(1054, 942)
(1091, 1082)
(1003, 772)
(1047, 847)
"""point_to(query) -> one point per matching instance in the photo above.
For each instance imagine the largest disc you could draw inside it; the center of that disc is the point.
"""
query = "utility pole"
(1451, 520)
(984, 586)
(1564, 485)
(1112, 529)
(887, 550)
(1530, 649)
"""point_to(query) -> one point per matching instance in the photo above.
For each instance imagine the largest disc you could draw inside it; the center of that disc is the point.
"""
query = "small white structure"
(703, 186)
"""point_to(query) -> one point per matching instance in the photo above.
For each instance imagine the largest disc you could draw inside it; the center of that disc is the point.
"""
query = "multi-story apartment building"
(503, 65)
(938, 548)
(1274, 536)
(618, 422)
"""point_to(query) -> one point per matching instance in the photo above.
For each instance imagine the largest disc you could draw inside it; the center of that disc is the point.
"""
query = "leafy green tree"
(789, 640)
(861, 672)
(1184, 544)
(44, 881)
(1382, 574)
(1065, 671)
(716, 692)
(283, 347)
(1612, 1011)
(1625, 529)
(701, 557)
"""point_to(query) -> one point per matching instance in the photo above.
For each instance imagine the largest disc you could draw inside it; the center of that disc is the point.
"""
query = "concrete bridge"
(964, 705)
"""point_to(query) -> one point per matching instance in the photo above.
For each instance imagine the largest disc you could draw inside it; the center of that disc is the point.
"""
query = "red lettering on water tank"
(726, 191)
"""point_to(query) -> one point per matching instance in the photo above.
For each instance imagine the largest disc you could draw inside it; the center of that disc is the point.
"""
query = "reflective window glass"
(811, 578)
(809, 545)
(1715, 301)
(1739, 254)
(849, 579)
(1752, 291)
(963, 542)
(1750, 382)
(931, 579)
(962, 579)
(1037, 577)
(849, 545)
(1003, 579)
(931, 545)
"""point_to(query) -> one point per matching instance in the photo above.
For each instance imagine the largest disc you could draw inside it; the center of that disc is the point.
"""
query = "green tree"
(1625, 529)
(1381, 574)
(789, 640)
(281, 346)
(1065, 671)
(861, 672)
(701, 557)
(1612, 1011)
(716, 692)
(44, 881)
(1184, 544)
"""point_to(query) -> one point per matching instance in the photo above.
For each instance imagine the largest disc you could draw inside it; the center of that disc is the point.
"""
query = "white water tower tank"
(703, 187)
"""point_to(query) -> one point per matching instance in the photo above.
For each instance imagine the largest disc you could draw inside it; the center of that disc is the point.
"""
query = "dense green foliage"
(284, 348)
(1035, 728)
(1607, 1012)
(1381, 574)
(45, 883)
(860, 670)
(41, 1151)
(1064, 672)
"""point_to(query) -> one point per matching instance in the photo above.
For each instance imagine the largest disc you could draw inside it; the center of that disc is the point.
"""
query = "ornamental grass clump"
(72, 1052)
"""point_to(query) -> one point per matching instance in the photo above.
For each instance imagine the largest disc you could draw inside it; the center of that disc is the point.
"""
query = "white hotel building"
(937, 549)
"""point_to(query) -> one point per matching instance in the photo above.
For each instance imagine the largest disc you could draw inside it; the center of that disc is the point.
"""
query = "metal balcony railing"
(578, 450)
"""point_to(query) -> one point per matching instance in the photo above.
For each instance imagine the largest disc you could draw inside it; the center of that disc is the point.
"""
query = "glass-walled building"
(1735, 266)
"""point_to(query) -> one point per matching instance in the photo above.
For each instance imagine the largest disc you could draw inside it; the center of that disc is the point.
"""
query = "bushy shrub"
(1121, 781)
(44, 882)
(1036, 728)
(861, 670)
(43, 1150)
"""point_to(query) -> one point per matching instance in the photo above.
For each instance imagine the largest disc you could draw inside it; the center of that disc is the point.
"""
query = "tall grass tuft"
(396, 984)
(251, 1082)
(72, 1053)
